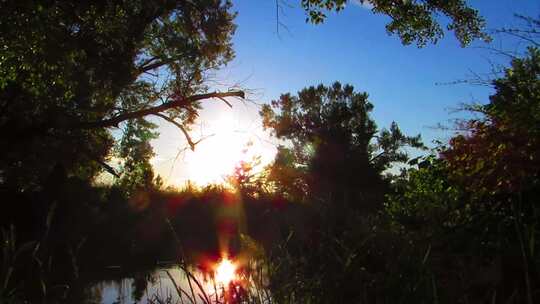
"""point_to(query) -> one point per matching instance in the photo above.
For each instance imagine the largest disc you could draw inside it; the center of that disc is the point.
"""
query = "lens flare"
(225, 272)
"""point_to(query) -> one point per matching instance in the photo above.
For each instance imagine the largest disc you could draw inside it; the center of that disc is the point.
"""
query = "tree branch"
(175, 103)
(107, 168)
(146, 62)
(372, 160)
(181, 127)
(10, 134)
(225, 101)
(150, 66)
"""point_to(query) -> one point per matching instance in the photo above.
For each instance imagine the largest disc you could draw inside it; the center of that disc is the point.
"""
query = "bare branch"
(181, 127)
(175, 103)
(154, 63)
(280, 11)
(523, 35)
(225, 101)
(180, 151)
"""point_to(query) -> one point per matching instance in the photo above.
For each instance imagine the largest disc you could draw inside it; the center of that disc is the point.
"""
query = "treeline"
(459, 225)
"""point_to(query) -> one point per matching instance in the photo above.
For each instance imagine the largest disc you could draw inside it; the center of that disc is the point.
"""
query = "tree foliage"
(460, 225)
(335, 149)
(424, 200)
(413, 21)
(136, 152)
(70, 70)
(479, 198)
(501, 151)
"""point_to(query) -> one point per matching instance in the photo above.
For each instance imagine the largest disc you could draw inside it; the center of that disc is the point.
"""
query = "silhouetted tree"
(497, 160)
(69, 73)
(500, 152)
(475, 206)
(333, 157)
(71, 70)
(335, 152)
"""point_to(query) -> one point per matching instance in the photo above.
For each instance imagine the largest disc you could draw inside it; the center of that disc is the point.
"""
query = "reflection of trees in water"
(83, 293)
(140, 285)
(155, 286)
(116, 291)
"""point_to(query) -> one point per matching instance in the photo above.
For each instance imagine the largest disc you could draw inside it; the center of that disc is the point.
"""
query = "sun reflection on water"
(225, 272)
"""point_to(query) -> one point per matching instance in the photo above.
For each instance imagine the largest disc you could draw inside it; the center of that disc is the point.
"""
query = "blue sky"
(351, 47)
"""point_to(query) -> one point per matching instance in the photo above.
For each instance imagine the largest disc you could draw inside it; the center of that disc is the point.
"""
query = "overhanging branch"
(175, 103)
(181, 127)
(107, 168)
(153, 65)
(10, 134)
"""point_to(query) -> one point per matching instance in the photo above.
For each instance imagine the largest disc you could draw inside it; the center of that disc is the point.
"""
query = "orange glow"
(225, 272)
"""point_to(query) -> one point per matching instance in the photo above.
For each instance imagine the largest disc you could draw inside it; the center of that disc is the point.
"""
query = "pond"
(225, 281)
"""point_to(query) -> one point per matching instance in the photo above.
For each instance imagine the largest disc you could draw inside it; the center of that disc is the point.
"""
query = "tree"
(334, 150)
(70, 71)
(413, 21)
(333, 157)
(136, 151)
(500, 152)
(424, 201)
(479, 197)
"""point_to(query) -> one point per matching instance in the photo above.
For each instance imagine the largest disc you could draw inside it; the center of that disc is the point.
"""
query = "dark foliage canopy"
(69, 70)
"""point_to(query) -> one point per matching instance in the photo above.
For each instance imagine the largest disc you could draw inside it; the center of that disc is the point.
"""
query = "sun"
(225, 146)
(225, 272)
(225, 138)
(215, 156)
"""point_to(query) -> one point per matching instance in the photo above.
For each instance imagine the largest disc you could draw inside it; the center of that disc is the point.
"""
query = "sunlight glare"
(225, 137)
(216, 157)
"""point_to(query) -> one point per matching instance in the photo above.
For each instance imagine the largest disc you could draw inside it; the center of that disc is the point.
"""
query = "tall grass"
(248, 288)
